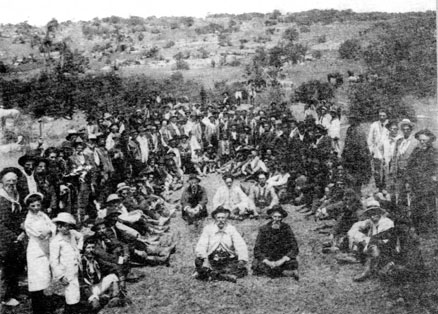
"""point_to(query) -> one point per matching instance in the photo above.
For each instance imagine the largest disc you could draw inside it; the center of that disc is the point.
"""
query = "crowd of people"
(91, 208)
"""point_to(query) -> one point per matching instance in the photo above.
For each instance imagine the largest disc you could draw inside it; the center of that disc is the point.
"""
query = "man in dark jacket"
(12, 250)
(356, 156)
(276, 248)
(194, 201)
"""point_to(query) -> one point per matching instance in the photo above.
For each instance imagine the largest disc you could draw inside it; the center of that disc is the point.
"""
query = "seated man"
(194, 201)
(254, 165)
(263, 196)
(95, 282)
(279, 182)
(221, 252)
(362, 232)
(232, 197)
(276, 249)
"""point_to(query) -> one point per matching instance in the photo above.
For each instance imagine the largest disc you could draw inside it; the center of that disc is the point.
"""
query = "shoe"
(114, 302)
(362, 277)
(11, 302)
(95, 304)
(227, 277)
(346, 258)
(291, 273)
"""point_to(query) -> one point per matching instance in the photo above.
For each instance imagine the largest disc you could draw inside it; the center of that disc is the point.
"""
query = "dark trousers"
(259, 268)
(13, 266)
(40, 303)
(229, 266)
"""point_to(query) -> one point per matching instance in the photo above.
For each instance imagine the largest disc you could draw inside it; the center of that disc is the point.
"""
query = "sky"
(39, 12)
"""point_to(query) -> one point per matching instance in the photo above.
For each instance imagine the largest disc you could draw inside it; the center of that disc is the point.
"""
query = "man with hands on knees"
(221, 252)
(276, 248)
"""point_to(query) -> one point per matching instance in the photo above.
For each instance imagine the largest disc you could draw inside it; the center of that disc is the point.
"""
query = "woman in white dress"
(40, 229)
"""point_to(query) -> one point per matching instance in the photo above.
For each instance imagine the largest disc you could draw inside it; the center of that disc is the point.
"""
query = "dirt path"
(325, 287)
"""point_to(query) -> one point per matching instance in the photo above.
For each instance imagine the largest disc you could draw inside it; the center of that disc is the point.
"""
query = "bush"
(169, 44)
(203, 53)
(350, 49)
(291, 34)
(314, 91)
(304, 29)
(182, 65)
(317, 54)
(322, 39)
(367, 98)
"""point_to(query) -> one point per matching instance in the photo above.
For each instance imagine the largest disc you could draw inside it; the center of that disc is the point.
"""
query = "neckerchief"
(14, 202)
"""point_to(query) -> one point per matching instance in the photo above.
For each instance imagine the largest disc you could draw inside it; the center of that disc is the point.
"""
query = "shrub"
(182, 65)
(304, 29)
(322, 39)
(290, 34)
(313, 91)
(317, 54)
(350, 49)
(203, 53)
(169, 44)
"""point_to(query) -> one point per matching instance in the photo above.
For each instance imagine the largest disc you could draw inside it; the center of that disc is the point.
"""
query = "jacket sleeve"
(259, 253)
(239, 246)
(201, 249)
(58, 269)
(293, 245)
(204, 199)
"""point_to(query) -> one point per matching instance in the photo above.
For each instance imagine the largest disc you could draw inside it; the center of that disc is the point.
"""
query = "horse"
(8, 113)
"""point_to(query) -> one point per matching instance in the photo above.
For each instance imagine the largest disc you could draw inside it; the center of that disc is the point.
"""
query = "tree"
(290, 34)
(350, 49)
(314, 91)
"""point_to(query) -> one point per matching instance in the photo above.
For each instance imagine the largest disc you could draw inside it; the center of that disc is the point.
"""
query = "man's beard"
(276, 225)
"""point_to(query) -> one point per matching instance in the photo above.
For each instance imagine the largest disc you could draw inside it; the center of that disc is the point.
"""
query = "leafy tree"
(350, 49)
(291, 34)
(314, 91)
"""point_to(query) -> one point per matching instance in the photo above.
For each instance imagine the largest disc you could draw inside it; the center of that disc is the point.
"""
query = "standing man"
(421, 178)
(378, 132)
(276, 248)
(12, 250)
(194, 201)
(403, 150)
(356, 156)
(221, 252)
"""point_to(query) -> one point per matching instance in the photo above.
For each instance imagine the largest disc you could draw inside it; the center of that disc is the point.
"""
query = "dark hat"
(98, 222)
(321, 128)
(227, 175)
(70, 133)
(219, 210)
(11, 169)
(25, 158)
(426, 132)
(278, 209)
(194, 177)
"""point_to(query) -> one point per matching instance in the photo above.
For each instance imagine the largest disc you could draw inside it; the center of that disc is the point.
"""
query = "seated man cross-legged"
(221, 252)
(276, 248)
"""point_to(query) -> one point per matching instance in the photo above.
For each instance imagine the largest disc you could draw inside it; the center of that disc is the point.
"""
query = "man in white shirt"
(378, 132)
(233, 198)
(221, 252)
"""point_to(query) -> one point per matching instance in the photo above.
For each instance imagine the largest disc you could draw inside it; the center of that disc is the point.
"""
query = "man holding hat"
(194, 201)
(361, 233)
(12, 251)
(276, 248)
(221, 252)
